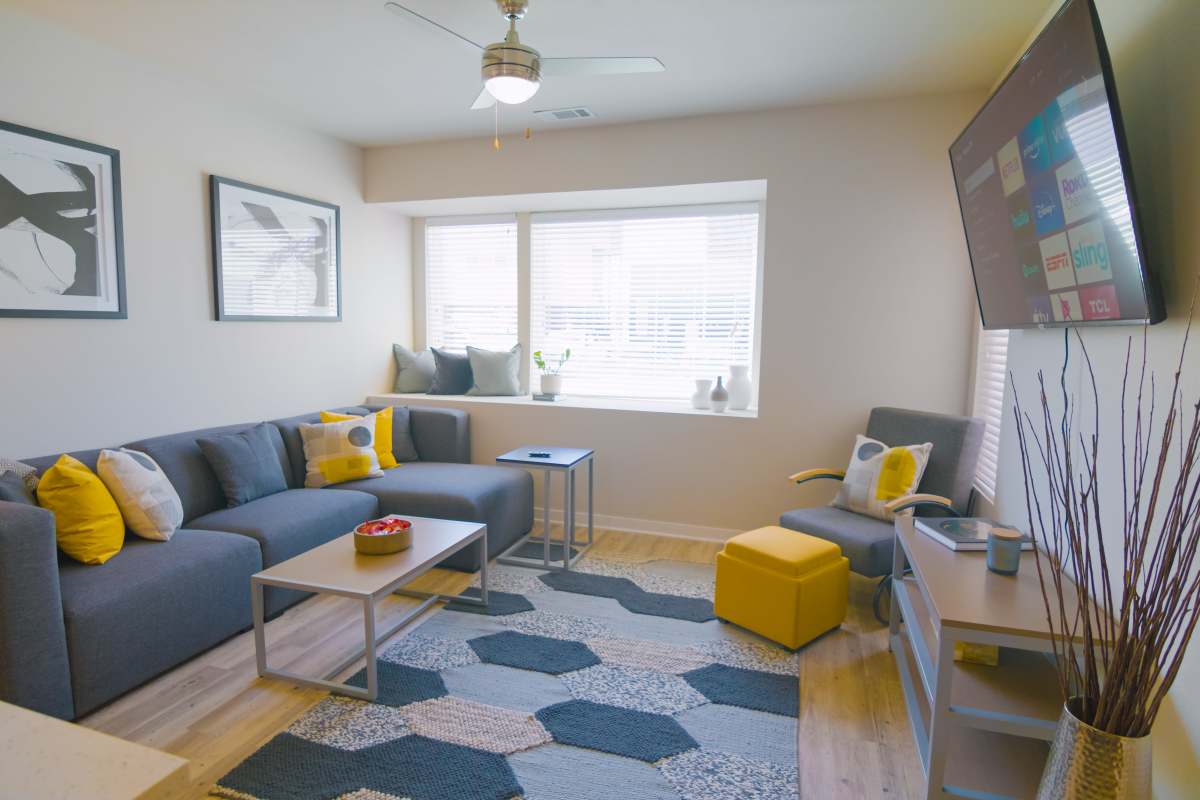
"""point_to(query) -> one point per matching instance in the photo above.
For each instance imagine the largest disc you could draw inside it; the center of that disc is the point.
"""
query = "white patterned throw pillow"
(337, 452)
(879, 474)
(147, 500)
(26, 473)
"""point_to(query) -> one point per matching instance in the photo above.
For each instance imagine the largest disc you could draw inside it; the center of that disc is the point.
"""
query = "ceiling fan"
(512, 72)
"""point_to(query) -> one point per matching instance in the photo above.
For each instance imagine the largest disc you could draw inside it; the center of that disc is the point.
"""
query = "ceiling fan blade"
(571, 67)
(404, 11)
(485, 100)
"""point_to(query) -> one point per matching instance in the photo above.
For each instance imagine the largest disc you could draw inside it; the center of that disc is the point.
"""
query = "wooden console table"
(981, 731)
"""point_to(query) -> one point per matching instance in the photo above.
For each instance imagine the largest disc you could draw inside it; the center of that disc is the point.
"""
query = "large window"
(991, 362)
(471, 282)
(648, 300)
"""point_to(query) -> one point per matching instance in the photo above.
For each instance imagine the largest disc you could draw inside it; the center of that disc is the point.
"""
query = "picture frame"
(277, 257)
(61, 231)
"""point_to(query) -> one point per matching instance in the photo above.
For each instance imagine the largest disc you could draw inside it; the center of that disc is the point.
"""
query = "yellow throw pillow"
(879, 474)
(337, 452)
(88, 523)
(383, 433)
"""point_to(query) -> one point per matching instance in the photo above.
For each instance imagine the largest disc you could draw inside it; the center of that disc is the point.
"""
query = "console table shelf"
(981, 731)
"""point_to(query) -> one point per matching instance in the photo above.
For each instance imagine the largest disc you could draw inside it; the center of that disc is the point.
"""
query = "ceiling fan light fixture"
(511, 89)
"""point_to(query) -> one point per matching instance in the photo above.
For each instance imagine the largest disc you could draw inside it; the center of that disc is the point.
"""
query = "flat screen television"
(1046, 191)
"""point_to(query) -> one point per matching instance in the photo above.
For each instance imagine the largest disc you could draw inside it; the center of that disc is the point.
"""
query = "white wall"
(1156, 62)
(169, 367)
(867, 296)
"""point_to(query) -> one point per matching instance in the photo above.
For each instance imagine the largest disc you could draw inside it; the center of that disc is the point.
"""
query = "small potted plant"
(551, 379)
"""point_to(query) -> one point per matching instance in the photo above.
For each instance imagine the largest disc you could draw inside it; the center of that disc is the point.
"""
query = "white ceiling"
(353, 70)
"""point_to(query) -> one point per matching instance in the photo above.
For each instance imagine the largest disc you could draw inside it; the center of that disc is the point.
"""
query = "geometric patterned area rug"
(611, 681)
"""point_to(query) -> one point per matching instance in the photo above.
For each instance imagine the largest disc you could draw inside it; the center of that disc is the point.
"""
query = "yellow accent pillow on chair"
(383, 433)
(879, 474)
(87, 522)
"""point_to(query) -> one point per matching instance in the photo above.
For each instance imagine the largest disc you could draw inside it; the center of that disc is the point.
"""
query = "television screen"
(1044, 186)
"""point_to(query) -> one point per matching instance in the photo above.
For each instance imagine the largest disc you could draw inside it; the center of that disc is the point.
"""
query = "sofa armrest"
(34, 671)
(441, 434)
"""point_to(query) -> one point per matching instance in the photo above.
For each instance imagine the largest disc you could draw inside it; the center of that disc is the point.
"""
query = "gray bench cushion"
(866, 541)
(501, 497)
(152, 606)
(290, 523)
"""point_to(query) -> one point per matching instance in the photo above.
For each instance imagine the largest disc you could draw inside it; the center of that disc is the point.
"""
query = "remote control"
(538, 455)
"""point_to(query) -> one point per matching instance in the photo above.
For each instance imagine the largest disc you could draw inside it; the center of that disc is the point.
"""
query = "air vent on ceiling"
(579, 112)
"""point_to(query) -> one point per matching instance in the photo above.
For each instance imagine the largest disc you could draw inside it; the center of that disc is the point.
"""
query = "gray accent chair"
(947, 484)
(74, 637)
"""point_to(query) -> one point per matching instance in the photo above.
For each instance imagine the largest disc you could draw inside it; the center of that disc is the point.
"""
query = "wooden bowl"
(380, 544)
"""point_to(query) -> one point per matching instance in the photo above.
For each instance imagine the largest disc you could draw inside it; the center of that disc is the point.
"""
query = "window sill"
(594, 403)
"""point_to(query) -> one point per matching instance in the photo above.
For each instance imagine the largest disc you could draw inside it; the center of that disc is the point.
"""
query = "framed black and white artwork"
(276, 256)
(61, 252)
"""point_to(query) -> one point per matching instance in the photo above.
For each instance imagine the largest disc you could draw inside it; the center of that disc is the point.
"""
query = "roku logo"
(1074, 185)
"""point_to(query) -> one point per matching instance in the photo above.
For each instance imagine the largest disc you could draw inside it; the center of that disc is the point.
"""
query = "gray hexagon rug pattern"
(613, 681)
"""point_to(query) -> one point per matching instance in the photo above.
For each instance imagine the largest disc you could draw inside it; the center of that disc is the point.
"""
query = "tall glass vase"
(1086, 763)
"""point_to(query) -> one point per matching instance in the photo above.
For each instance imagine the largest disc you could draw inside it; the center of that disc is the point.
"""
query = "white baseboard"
(678, 530)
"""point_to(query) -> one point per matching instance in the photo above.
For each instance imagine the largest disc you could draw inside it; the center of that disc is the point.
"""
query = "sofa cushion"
(246, 464)
(290, 523)
(289, 432)
(866, 541)
(151, 607)
(188, 470)
(501, 497)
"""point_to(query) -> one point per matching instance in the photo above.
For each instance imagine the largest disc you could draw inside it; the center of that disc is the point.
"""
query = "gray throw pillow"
(414, 371)
(452, 373)
(13, 489)
(495, 372)
(246, 464)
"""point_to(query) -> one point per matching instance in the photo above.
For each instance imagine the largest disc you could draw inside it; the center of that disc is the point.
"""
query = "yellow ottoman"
(787, 586)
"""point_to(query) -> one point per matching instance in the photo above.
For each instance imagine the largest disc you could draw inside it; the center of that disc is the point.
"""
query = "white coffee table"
(337, 568)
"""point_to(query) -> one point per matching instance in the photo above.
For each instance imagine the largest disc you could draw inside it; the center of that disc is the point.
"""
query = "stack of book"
(963, 533)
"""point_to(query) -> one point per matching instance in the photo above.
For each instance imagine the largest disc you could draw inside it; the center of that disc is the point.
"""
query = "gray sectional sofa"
(73, 637)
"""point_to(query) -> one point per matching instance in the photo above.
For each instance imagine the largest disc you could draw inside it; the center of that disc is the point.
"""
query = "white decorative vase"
(718, 398)
(739, 387)
(700, 398)
(551, 384)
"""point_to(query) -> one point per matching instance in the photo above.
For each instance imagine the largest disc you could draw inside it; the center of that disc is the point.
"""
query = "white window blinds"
(648, 300)
(991, 364)
(471, 282)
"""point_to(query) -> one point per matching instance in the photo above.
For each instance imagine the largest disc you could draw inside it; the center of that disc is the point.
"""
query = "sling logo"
(1075, 189)
(1089, 252)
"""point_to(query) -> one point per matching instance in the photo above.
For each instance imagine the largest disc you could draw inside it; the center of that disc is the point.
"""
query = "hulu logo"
(1091, 254)
(1020, 219)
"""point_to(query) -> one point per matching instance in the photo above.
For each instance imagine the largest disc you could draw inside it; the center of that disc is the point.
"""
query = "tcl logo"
(1099, 307)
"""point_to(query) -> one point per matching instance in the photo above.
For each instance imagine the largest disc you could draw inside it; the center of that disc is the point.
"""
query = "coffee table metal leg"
(483, 568)
(369, 634)
(260, 634)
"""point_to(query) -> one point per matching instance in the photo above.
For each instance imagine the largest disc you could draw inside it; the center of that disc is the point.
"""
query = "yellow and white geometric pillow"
(340, 451)
(879, 474)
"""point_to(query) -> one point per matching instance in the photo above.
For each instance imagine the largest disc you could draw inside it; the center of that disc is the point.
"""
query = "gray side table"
(556, 459)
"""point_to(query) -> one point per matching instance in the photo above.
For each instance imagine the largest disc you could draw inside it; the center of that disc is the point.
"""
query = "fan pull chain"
(496, 134)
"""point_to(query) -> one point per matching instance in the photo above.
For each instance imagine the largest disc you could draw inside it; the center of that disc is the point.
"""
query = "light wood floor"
(215, 710)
